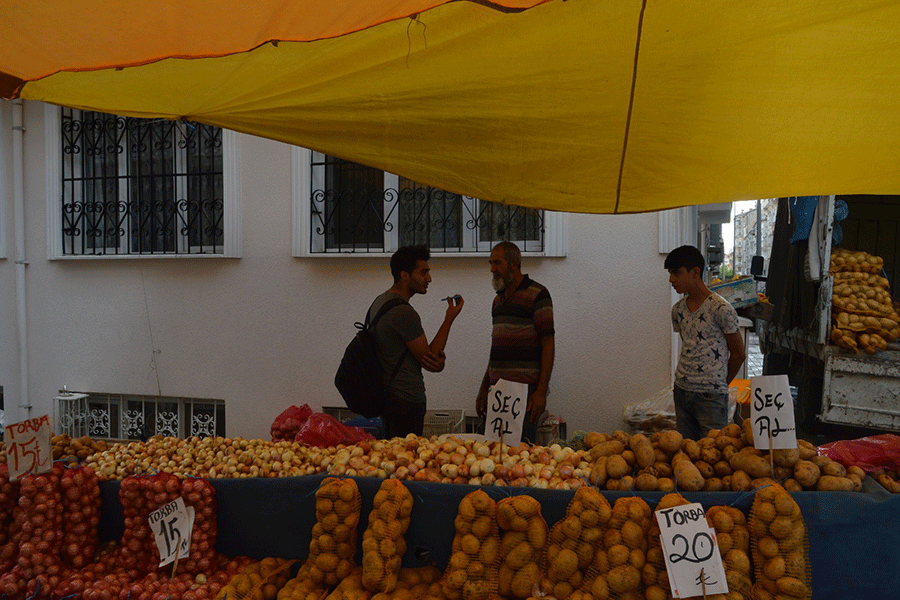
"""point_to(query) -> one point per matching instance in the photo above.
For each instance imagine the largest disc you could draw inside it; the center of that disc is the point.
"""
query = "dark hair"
(405, 259)
(685, 256)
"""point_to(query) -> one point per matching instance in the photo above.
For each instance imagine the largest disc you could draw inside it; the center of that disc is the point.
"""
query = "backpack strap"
(392, 303)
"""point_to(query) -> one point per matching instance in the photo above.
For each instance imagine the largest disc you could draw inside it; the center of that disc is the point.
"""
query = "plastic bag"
(289, 422)
(869, 453)
(324, 430)
(655, 414)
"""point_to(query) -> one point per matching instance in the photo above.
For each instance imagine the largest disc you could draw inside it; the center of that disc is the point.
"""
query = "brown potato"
(670, 441)
(643, 450)
(831, 483)
(807, 473)
(617, 467)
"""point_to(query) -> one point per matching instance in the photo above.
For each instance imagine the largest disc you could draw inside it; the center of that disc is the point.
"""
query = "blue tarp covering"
(853, 537)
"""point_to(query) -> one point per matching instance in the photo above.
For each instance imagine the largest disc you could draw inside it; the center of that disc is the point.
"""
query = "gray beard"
(500, 284)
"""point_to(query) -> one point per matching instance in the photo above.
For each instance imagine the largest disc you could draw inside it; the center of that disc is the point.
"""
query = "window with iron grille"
(129, 417)
(352, 208)
(130, 186)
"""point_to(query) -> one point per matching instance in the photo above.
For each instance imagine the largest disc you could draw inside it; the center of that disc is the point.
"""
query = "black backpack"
(360, 377)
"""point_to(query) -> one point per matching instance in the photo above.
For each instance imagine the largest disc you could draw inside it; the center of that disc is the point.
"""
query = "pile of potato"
(863, 313)
(384, 543)
(524, 535)
(333, 542)
(472, 571)
(779, 546)
(724, 460)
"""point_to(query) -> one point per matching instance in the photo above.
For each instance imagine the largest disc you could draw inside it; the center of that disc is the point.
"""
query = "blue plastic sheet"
(853, 537)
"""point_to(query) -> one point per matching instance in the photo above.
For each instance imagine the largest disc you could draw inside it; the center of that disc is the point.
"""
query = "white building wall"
(267, 330)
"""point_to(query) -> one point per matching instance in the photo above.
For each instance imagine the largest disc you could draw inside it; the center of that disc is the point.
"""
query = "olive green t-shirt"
(398, 326)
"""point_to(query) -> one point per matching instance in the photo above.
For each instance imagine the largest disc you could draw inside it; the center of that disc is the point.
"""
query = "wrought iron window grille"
(359, 209)
(140, 186)
(129, 417)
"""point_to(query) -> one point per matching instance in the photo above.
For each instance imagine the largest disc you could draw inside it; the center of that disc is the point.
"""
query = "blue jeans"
(698, 412)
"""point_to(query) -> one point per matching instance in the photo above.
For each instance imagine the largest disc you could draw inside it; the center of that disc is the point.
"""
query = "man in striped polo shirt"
(522, 340)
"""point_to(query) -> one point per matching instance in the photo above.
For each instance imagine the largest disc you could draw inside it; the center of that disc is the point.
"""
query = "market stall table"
(853, 537)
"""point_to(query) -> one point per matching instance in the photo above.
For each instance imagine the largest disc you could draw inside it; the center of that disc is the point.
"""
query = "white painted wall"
(267, 330)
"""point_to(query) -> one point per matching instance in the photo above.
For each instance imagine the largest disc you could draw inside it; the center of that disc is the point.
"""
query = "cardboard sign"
(172, 525)
(772, 412)
(506, 405)
(28, 447)
(693, 562)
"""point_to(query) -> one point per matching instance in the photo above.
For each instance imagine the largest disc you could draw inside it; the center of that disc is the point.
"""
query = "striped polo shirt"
(520, 322)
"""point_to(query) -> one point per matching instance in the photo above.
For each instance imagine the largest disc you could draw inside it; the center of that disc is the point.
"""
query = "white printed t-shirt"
(703, 363)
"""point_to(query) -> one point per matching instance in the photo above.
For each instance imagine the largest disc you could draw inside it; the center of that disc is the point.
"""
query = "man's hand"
(433, 362)
(454, 307)
(537, 403)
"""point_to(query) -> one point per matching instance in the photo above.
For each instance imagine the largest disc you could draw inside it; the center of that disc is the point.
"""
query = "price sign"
(693, 562)
(507, 401)
(28, 447)
(172, 525)
(772, 412)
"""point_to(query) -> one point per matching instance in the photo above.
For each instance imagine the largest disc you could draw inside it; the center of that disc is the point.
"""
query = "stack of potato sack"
(384, 542)
(617, 573)
(475, 553)
(780, 547)
(573, 542)
(733, 538)
(862, 311)
(523, 537)
(333, 541)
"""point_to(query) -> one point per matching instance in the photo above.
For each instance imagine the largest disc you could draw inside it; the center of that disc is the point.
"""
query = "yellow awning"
(579, 105)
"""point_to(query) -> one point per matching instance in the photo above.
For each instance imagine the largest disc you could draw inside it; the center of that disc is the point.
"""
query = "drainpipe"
(18, 145)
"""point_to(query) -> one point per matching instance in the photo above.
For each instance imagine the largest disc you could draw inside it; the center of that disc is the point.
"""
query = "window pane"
(138, 186)
(499, 222)
(349, 208)
(429, 216)
(206, 189)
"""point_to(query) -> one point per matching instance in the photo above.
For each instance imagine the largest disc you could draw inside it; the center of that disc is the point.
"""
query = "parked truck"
(834, 385)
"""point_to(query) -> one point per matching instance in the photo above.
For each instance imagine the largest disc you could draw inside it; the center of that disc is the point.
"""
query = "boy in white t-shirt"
(712, 350)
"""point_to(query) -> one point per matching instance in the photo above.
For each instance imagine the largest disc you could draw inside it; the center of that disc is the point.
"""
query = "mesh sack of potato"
(302, 587)
(779, 546)
(522, 542)
(843, 259)
(733, 538)
(620, 558)
(413, 584)
(260, 580)
(653, 573)
(572, 544)
(384, 543)
(333, 541)
(475, 553)
(350, 588)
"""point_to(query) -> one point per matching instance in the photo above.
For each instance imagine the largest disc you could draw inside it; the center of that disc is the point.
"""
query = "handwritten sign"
(172, 525)
(507, 401)
(772, 412)
(693, 562)
(28, 447)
